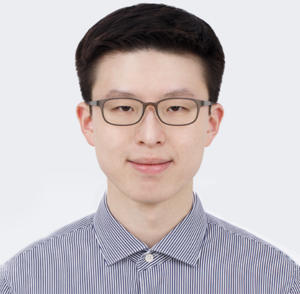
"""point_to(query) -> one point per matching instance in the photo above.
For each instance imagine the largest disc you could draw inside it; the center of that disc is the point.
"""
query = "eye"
(124, 108)
(175, 108)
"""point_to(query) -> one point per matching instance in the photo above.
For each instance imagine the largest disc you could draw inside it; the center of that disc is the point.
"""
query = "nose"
(150, 130)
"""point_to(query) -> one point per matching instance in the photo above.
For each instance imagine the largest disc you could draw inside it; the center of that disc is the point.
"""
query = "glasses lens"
(122, 111)
(177, 111)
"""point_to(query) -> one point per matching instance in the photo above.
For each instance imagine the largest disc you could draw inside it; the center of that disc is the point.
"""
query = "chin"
(150, 195)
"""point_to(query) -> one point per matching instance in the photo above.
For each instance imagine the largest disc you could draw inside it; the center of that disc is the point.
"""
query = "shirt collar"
(182, 243)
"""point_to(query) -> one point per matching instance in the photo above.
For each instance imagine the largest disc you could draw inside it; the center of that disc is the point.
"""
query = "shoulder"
(229, 233)
(219, 226)
(247, 253)
(57, 250)
(69, 230)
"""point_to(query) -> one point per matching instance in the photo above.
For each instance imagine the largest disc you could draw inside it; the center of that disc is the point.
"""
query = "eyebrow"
(176, 93)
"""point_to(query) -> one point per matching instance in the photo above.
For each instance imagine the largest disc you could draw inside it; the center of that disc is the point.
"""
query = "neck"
(150, 222)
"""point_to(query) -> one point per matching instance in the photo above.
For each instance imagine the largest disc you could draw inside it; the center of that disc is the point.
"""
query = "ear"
(85, 121)
(214, 121)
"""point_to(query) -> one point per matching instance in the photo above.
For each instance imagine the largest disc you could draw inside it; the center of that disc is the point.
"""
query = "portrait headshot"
(150, 147)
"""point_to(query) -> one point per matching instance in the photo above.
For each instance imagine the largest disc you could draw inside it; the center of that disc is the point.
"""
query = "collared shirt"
(202, 254)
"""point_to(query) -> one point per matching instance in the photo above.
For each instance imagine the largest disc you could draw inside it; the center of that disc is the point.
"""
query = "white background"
(50, 175)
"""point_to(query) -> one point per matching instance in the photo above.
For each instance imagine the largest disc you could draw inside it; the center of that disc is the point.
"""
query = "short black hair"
(150, 26)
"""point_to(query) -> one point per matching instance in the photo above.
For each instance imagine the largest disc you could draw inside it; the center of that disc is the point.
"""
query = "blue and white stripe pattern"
(202, 254)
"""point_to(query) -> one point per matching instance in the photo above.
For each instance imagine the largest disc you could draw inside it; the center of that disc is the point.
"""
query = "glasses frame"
(199, 103)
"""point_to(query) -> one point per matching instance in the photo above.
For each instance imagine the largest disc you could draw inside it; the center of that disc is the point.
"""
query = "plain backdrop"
(50, 175)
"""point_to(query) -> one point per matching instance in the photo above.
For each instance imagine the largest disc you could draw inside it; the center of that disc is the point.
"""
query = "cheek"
(190, 149)
(110, 145)
(192, 139)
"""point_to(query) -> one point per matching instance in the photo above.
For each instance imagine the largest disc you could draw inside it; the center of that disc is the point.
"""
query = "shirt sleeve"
(296, 286)
(4, 287)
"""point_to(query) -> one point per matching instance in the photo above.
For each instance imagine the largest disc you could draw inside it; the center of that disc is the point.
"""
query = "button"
(149, 257)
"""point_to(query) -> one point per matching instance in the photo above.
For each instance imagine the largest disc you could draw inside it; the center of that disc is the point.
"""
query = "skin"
(149, 206)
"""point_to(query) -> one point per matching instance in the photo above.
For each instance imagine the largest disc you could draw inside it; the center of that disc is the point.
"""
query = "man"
(150, 76)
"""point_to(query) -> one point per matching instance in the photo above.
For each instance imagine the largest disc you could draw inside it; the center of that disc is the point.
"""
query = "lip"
(154, 166)
(154, 160)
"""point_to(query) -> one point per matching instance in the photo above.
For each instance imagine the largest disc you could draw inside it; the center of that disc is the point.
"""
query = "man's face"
(149, 75)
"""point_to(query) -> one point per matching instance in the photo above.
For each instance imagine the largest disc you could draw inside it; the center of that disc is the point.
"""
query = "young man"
(150, 76)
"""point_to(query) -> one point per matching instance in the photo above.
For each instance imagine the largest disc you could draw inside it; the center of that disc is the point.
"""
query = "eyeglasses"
(170, 111)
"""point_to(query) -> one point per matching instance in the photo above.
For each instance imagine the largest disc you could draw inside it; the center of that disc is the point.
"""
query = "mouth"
(150, 168)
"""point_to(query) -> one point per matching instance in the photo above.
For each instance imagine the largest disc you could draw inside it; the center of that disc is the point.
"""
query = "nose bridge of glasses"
(150, 104)
(145, 106)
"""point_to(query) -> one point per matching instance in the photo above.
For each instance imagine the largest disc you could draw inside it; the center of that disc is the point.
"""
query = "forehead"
(149, 71)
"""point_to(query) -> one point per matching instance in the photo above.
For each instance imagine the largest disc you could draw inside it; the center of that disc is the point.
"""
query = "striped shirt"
(202, 254)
